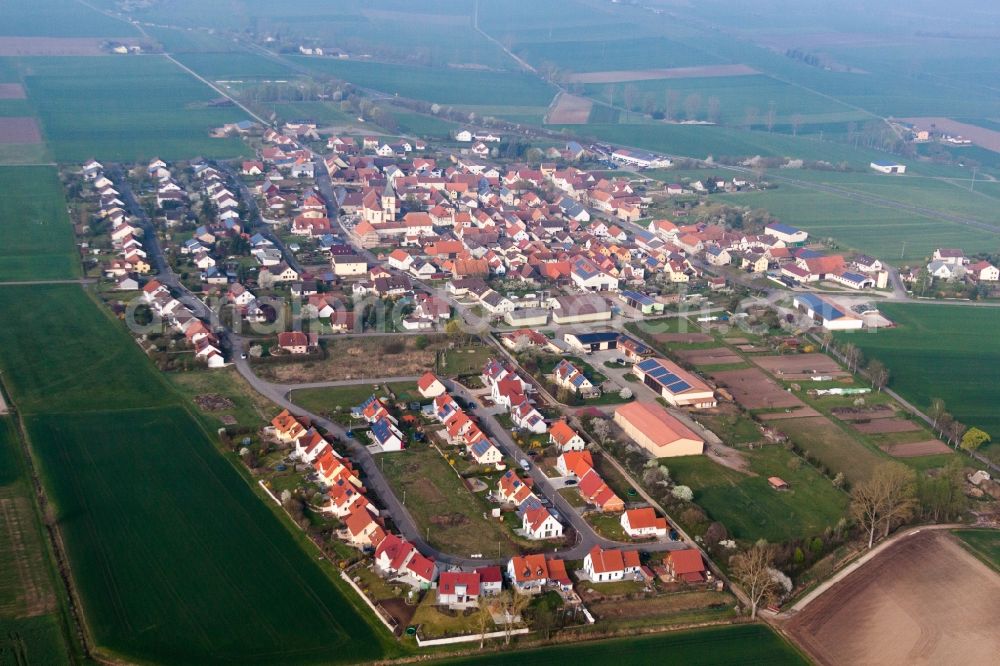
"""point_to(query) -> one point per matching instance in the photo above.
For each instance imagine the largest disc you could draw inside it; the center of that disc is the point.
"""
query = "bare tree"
(796, 123)
(484, 618)
(601, 429)
(955, 432)
(714, 112)
(692, 105)
(889, 495)
(935, 411)
(772, 114)
(878, 373)
(750, 117)
(672, 99)
(511, 605)
(752, 569)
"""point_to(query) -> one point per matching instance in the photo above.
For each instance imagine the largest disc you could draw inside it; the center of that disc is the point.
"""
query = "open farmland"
(897, 236)
(719, 646)
(440, 85)
(984, 543)
(966, 350)
(192, 600)
(137, 108)
(58, 18)
(234, 66)
(37, 239)
(936, 600)
(207, 573)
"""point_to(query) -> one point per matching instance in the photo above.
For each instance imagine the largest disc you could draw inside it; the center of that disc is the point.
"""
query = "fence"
(470, 638)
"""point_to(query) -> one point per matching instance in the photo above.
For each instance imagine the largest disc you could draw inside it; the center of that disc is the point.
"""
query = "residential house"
(608, 566)
(642, 523)
(563, 436)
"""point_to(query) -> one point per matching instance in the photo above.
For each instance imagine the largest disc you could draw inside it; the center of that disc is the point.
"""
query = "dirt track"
(925, 600)
(671, 73)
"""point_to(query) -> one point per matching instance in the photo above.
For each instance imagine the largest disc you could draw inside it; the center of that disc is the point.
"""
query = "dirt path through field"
(923, 600)
(569, 110)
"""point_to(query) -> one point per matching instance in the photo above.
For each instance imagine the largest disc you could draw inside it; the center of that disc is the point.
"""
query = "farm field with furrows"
(166, 113)
(36, 232)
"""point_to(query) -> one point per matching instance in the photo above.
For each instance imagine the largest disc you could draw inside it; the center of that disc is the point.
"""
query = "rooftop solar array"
(665, 377)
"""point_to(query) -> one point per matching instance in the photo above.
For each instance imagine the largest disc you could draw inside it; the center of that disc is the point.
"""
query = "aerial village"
(266, 263)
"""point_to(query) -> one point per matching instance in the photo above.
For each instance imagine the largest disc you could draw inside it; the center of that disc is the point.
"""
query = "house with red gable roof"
(344, 497)
(361, 530)
(538, 524)
(575, 463)
(529, 574)
(310, 446)
(608, 566)
(430, 386)
(593, 489)
(563, 436)
(490, 580)
(397, 559)
(686, 565)
(287, 428)
(641, 523)
(459, 589)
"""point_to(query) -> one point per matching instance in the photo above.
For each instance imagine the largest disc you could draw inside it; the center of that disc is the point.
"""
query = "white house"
(984, 271)
(430, 386)
(607, 566)
(888, 167)
(641, 523)
(537, 523)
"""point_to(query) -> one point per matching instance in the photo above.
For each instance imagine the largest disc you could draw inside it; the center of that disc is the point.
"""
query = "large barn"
(678, 387)
(655, 430)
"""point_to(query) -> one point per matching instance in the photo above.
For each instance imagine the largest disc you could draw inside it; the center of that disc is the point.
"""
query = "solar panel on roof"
(678, 386)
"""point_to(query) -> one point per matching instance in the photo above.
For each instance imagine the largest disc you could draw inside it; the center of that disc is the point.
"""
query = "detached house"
(641, 523)
(537, 523)
(459, 589)
(430, 386)
(607, 566)
(563, 436)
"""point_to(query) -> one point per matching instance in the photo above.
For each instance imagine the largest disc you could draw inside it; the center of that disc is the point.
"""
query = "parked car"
(525, 465)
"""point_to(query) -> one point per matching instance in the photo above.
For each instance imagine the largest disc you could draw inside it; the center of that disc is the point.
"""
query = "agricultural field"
(749, 508)
(30, 615)
(37, 238)
(136, 109)
(234, 66)
(142, 561)
(935, 599)
(895, 236)
(739, 644)
(984, 543)
(966, 352)
(191, 601)
(58, 18)
(440, 85)
(602, 55)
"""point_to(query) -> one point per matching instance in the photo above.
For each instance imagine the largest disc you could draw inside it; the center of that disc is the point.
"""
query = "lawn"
(334, 399)
(249, 408)
(439, 85)
(36, 238)
(833, 445)
(942, 351)
(718, 646)
(984, 543)
(465, 360)
(750, 508)
(136, 109)
(442, 507)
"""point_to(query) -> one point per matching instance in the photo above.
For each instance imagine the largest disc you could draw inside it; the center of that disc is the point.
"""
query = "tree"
(601, 429)
(796, 123)
(887, 496)
(936, 410)
(511, 605)
(941, 496)
(683, 493)
(974, 438)
(715, 533)
(878, 373)
(484, 618)
(955, 432)
(752, 569)
(692, 105)
(772, 114)
(714, 109)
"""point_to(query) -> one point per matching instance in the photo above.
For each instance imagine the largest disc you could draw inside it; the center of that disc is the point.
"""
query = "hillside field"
(950, 352)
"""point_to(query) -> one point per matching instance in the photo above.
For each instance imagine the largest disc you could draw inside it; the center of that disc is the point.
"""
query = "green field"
(234, 66)
(37, 235)
(31, 628)
(58, 18)
(718, 646)
(601, 55)
(440, 85)
(942, 351)
(175, 557)
(984, 543)
(893, 235)
(183, 560)
(136, 109)
(749, 508)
